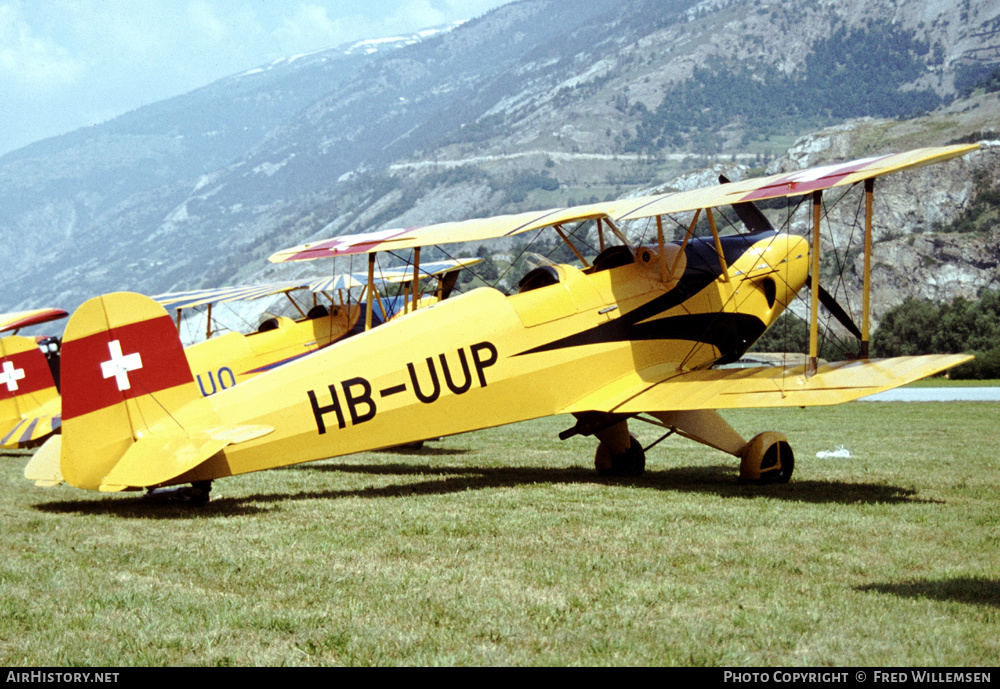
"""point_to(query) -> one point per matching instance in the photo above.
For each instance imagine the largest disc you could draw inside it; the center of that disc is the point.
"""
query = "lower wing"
(776, 386)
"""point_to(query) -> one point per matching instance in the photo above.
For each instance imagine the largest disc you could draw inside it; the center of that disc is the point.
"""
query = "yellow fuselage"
(484, 359)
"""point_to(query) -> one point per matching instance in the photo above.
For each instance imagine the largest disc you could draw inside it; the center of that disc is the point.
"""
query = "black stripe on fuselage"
(731, 333)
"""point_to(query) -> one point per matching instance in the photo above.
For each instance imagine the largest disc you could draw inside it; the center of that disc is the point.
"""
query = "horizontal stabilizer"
(155, 459)
(28, 430)
(43, 468)
(777, 386)
(158, 458)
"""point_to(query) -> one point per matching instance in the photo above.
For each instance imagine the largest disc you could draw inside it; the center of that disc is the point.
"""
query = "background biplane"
(22, 319)
(323, 317)
(632, 334)
(29, 396)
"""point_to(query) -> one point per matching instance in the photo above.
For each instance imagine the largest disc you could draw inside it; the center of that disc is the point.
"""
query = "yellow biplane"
(632, 334)
(29, 396)
(221, 362)
(224, 359)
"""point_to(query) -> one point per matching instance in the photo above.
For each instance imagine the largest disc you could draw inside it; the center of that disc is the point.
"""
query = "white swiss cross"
(120, 365)
(11, 375)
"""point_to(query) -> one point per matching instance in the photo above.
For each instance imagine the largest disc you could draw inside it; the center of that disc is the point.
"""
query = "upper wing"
(392, 275)
(784, 184)
(218, 295)
(22, 319)
(777, 386)
(221, 295)
(444, 233)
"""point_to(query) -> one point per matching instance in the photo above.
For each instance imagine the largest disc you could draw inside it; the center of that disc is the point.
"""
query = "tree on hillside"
(918, 326)
(907, 329)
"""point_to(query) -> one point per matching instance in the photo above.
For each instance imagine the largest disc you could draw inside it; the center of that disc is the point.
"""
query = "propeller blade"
(837, 311)
(751, 216)
(756, 221)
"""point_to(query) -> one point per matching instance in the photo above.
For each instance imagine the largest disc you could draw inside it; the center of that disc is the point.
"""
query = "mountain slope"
(537, 103)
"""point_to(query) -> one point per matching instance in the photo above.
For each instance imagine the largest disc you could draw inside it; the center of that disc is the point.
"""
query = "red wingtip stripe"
(345, 245)
(31, 318)
(805, 181)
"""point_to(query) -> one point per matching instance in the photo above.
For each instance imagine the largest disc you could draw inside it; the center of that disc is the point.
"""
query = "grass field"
(504, 548)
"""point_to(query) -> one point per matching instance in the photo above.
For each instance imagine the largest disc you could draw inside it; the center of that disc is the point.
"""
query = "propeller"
(749, 214)
(756, 221)
(837, 311)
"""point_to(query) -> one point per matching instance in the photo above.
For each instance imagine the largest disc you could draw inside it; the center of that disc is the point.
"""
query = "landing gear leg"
(767, 458)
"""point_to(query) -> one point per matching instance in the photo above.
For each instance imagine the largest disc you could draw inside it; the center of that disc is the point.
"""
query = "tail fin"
(29, 401)
(125, 378)
(123, 371)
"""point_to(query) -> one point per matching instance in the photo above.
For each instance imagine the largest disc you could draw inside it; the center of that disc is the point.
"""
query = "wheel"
(632, 462)
(768, 458)
(197, 494)
(408, 447)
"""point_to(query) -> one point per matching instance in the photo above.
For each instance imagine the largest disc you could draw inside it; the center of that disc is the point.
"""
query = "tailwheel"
(632, 462)
(407, 448)
(197, 494)
(767, 458)
(200, 492)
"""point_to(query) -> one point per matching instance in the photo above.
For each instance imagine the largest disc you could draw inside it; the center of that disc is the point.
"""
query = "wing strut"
(618, 233)
(562, 234)
(817, 197)
(416, 277)
(826, 299)
(867, 280)
(684, 243)
(297, 307)
(718, 245)
(371, 290)
(663, 257)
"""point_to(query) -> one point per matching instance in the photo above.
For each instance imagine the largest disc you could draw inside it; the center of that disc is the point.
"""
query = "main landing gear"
(767, 458)
(619, 453)
(631, 462)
